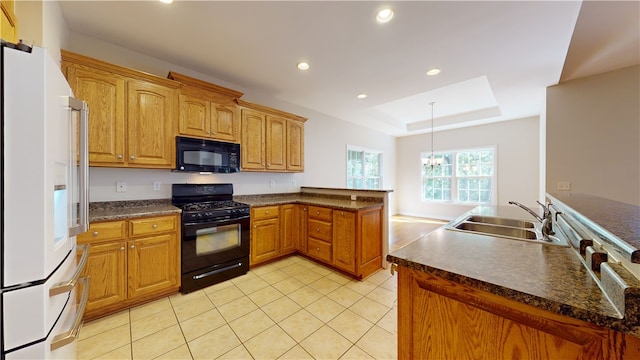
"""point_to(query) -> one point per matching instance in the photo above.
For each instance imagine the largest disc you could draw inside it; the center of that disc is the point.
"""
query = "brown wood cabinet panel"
(151, 226)
(150, 115)
(369, 231)
(194, 116)
(107, 267)
(288, 229)
(152, 264)
(344, 240)
(104, 92)
(265, 240)
(320, 213)
(8, 21)
(295, 145)
(276, 143)
(320, 250)
(225, 122)
(441, 319)
(301, 215)
(253, 140)
(104, 231)
(319, 229)
(265, 212)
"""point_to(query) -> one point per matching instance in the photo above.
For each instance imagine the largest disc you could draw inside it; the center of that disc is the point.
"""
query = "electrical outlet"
(121, 186)
(354, 197)
(156, 185)
(272, 184)
(563, 186)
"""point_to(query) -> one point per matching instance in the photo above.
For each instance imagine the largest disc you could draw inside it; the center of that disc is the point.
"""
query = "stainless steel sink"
(514, 229)
(512, 232)
(500, 221)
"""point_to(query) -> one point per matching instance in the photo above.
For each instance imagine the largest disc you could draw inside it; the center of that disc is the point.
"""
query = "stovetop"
(209, 205)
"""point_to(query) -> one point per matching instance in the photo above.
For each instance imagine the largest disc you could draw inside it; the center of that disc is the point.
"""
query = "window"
(364, 168)
(465, 176)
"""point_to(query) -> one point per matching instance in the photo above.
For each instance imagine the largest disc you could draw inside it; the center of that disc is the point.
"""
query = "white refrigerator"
(44, 206)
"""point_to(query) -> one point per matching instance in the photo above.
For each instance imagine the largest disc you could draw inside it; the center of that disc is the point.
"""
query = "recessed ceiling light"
(361, 96)
(384, 15)
(166, 1)
(434, 71)
(303, 65)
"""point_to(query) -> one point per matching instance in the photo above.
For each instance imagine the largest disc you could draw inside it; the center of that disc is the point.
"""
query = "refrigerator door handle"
(66, 286)
(68, 337)
(83, 170)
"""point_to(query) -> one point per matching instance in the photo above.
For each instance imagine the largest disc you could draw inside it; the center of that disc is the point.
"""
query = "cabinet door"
(288, 229)
(264, 240)
(194, 116)
(301, 241)
(369, 233)
(225, 123)
(276, 143)
(8, 21)
(153, 264)
(295, 145)
(107, 267)
(253, 140)
(344, 240)
(149, 122)
(105, 94)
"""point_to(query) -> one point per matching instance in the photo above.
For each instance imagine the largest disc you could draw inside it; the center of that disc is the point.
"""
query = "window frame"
(364, 178)
(455, 177)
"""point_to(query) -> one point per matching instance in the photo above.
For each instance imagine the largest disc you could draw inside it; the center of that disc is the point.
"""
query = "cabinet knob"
(317, 212)
(132, 157)
(132, 247)
(122, 248)
(95, 233)
(317, 229)
(266, 212)
(120, 157)
(342, 213)
(318, 249)
(155, 226)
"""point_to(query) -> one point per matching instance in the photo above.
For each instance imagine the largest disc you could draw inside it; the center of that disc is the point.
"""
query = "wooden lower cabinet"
(441, 319)
(131, 262)
(350, 241)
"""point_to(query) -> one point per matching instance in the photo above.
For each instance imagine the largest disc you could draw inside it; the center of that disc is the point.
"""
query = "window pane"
(372, 164)
(373, 183)
(358, 183)
(354, 163)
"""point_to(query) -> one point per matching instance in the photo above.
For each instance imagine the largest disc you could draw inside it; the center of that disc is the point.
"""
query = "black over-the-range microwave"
(200, 155)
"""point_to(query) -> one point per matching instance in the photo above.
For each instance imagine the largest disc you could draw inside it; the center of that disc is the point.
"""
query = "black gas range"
(215, 234)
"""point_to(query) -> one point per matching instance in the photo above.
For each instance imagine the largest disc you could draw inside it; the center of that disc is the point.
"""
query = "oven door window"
(216, 239)
(206, 158)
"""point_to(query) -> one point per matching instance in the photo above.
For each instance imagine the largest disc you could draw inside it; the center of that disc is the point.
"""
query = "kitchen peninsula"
(463, 295)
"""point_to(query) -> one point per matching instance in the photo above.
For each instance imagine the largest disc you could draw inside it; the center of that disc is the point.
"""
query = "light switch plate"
(563, 186)
(156, 185)
(121, 186)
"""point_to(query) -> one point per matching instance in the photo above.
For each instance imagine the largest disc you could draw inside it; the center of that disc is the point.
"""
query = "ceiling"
(497, 58)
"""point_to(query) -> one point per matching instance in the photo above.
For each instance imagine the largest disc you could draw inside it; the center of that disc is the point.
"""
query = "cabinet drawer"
(319, 229)
(111, 230)
(319, 213)
(152, 225)
(265, 212)
(319, 250)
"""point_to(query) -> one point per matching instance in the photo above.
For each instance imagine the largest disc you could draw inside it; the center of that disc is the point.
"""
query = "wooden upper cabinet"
(150, 115)
(207, 110)
(8, 21)
(252, 148)
(105, 94)
(131, 113)
(277, 143)
(295, 146)
(272, 140)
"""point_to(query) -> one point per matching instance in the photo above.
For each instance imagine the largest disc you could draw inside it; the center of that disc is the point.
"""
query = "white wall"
(593, 135)
(326, 139)
(517, 144)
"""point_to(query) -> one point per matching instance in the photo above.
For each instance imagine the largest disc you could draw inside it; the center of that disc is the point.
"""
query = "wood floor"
(405, 229)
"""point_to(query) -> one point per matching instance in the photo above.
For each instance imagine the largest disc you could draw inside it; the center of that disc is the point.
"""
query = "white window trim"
(373, 151)
(454, 183)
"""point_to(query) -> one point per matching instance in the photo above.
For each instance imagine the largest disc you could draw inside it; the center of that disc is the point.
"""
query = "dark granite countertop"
(548, 277)
(119, 210)
(618, 218)
(334, 201)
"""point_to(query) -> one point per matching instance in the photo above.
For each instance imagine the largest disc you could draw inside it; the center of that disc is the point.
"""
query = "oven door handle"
(217, 221)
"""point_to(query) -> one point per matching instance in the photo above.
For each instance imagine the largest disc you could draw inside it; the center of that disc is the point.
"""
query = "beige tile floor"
(290, 309)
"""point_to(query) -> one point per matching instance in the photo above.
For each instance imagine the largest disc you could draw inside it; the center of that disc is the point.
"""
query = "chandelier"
(432, 161)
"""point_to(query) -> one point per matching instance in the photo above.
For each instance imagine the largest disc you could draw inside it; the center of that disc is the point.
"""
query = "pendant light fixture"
(433, 161)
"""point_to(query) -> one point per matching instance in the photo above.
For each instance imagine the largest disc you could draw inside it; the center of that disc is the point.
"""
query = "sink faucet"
(545, 219)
